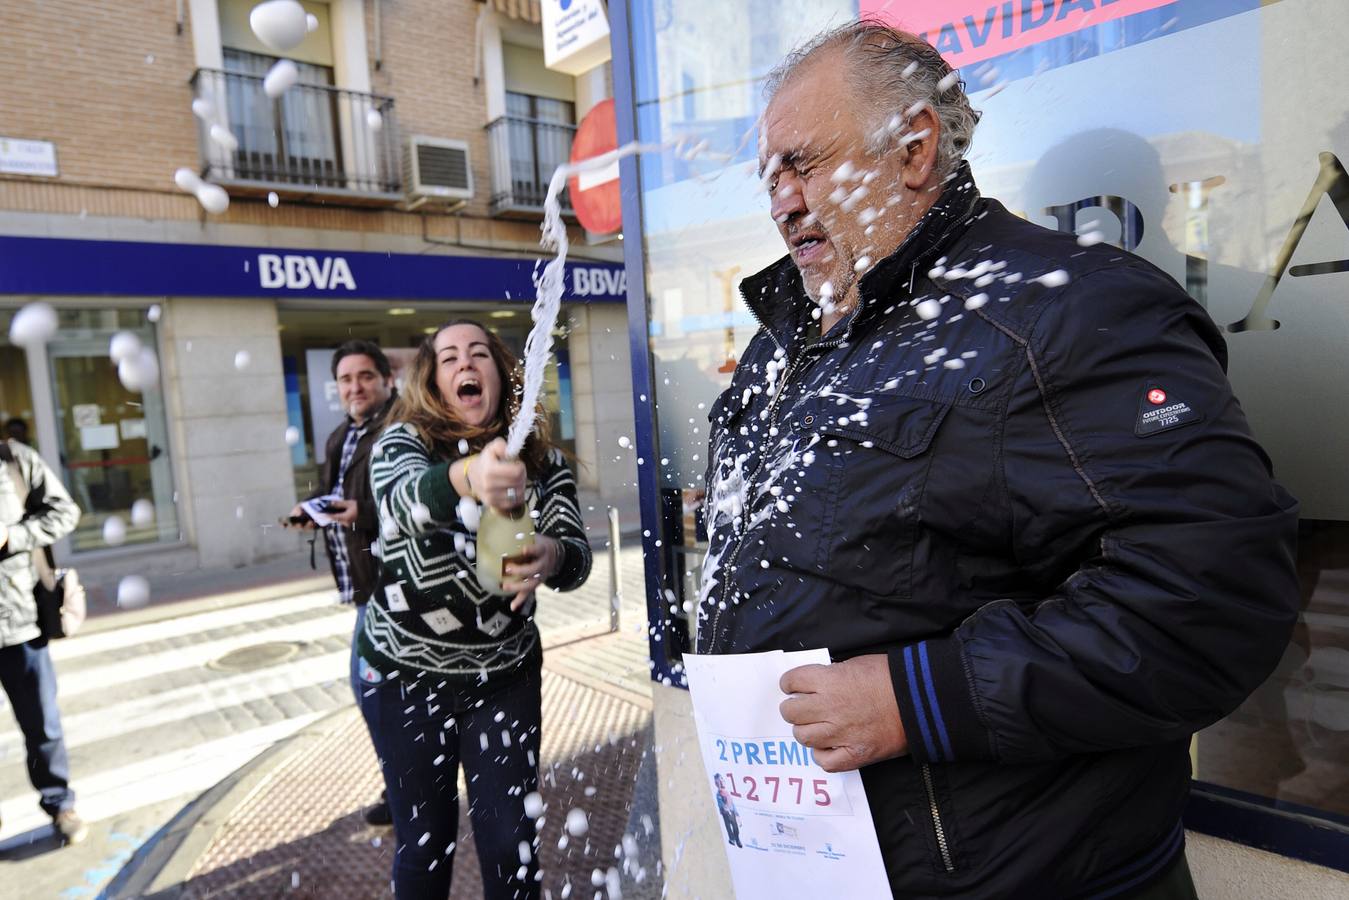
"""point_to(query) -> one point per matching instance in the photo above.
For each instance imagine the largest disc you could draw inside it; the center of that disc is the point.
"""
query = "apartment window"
(534, 136)
(541, 130)
(291, 139)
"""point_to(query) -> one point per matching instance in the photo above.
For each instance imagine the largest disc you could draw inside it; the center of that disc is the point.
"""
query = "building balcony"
(525, 153)
(313, 140)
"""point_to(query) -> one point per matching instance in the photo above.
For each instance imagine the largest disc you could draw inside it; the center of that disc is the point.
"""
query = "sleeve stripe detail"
(932, 702)
(918, 704)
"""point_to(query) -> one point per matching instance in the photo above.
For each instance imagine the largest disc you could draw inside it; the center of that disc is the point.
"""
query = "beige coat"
(50, 515)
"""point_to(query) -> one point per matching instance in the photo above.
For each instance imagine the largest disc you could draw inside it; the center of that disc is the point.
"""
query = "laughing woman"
(450, 670)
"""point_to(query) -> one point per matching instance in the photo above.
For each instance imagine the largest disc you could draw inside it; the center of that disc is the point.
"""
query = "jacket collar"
(778, 299)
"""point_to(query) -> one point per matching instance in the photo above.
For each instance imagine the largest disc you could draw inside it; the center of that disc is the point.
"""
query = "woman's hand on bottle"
(496, 479)
(540, 561)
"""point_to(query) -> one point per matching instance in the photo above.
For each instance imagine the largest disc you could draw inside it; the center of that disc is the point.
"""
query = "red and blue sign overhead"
(54, 266)
(970, 31)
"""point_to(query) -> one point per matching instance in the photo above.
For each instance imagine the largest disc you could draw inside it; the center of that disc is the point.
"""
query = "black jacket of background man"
(361, 536)
(1066, 540)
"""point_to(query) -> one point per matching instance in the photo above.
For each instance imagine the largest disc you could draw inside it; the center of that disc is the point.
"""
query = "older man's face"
(838, 207)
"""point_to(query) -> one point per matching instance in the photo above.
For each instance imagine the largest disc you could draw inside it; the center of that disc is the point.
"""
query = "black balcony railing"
(313, 138)
(525, 152)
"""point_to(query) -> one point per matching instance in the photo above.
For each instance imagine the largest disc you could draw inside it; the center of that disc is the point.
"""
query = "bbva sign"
(299, 272)
(587, 282)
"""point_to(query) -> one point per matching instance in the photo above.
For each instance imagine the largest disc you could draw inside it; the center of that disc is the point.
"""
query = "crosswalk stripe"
(156, 710)
(116, 639)
(183, 773)
(138, 668)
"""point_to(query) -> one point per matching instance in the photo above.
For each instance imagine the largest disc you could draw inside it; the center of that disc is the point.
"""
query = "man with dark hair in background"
(365, 388)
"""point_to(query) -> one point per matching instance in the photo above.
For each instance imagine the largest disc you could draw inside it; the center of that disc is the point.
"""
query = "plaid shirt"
(333, 535)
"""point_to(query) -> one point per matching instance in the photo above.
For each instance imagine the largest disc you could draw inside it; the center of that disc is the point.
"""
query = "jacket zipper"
(763, 458)
(942, 845)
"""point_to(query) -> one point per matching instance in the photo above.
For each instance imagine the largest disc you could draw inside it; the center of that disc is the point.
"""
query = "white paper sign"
(21, 157)
(791, 828)
(86, 415)
(99, 437)
(575, 35)
(133, 429)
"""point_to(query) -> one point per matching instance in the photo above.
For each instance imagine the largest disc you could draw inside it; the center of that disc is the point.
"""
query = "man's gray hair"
(893, 72)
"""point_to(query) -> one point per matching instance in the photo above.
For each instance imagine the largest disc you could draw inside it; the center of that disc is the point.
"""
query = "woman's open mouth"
(470, 392)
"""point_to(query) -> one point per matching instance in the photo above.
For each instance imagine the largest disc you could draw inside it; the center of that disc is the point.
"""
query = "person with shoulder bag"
(36, 512)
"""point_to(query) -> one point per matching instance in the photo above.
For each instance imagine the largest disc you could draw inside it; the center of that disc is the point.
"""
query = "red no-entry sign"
(594, 194)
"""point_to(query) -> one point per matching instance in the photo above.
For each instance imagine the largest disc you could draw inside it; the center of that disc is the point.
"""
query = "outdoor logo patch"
(1160, 410)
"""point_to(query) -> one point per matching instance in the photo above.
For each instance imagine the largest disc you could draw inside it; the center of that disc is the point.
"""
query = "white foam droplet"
(928, 309)
(577, 823)
(862, 264)
(1090, 238)
(273, 200)
(845, 172)
(123, 345)
(534, 804)
(224, 138)
(213, 198)
(292, 436)
(242, 360)
(153, 313)
(1056, 278)
(142, 513)
(279, 78)
(280, 24)
(624, 442)
(374, 120)
(202, 108)
(948, 81)
(421, 514)
(976, 301)
(140, 372)
(311, 22)
(469, 513)
(954, 364)
(133, 591)
(114, 531)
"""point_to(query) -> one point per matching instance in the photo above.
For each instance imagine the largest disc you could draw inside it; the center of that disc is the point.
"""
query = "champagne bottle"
(501, 537)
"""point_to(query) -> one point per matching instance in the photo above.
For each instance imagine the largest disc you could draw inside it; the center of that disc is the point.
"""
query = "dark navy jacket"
(1040, 498)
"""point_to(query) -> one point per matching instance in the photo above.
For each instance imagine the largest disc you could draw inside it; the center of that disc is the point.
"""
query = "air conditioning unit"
(437, 170)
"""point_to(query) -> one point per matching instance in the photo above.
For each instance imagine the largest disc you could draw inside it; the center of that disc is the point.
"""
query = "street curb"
(160, 867)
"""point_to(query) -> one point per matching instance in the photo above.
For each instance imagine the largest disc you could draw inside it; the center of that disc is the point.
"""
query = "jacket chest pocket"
(865, 503)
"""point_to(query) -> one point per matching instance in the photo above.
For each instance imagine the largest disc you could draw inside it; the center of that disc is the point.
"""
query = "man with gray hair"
(1003, 479)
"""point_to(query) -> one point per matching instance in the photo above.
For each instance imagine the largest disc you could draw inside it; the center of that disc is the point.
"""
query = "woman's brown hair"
(420, 405)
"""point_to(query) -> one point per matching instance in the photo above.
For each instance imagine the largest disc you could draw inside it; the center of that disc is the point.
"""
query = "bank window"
(111, 443)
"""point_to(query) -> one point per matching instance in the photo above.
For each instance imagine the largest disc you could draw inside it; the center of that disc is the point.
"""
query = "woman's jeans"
(422, 734)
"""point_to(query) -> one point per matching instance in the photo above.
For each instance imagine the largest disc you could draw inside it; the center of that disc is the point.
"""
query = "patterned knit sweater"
(428, 611)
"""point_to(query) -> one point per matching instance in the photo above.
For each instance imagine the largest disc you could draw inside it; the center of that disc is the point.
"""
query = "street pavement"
(156, 713)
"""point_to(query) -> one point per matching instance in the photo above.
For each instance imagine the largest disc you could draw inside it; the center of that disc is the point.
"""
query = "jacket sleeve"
(560, 517)
(1171, 550)
(49, 514)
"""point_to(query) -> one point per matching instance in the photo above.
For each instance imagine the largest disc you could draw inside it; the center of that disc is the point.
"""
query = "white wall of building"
(602, 398)
(228, 427)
